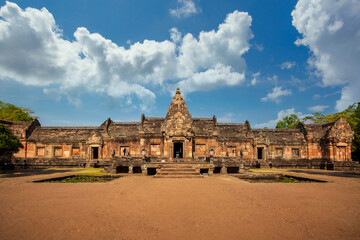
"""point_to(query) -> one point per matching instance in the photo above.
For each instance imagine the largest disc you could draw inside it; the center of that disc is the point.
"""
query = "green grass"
(82, 179)
(91, 171)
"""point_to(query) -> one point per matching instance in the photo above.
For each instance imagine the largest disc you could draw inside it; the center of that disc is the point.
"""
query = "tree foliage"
(11, 112)
(288, 122)
(348, 114)
(8, 142)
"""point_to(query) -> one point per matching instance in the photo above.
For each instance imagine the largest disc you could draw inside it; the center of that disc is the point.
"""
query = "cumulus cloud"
(331, 30)
(318, 108)
(276, 94)
(254, 79)
(175, 35)
(280, 116)
(186, 9)
(33, 52)
(287, 65)
(219, 75)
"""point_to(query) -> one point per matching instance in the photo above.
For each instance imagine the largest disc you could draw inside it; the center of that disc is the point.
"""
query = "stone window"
(40, 151)
(278, 152)
(58, 152)
(295, 152)
(155, 150)
(231, 151)
(75, 151)
(124, 151)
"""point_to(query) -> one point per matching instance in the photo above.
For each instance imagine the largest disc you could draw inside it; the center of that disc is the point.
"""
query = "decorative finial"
(178, 90)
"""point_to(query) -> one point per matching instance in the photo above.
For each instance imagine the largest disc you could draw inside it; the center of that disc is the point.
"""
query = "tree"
(8, 142)
(348, 114)
(11, 112)
(288, 121)
(352, 116)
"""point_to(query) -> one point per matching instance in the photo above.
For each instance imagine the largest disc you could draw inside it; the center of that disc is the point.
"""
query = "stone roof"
(203, 126)
(152, 125)
(20, 129)
(63, 134)
(278, 136)
(238, 130)
(123, 129)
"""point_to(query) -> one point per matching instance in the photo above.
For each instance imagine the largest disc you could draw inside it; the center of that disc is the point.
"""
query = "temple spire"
(178, 119)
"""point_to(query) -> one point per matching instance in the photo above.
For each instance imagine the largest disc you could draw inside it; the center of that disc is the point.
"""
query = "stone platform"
(178, 170)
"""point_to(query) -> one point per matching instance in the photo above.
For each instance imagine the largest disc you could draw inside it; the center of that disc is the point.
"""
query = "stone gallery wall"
(180, 137)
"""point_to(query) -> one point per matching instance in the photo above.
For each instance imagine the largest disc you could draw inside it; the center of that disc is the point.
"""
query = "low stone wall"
(6, 162)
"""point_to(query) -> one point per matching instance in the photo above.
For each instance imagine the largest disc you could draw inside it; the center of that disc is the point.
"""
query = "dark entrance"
(137, 170)
(178, 150)
(95, 152)
(260, 153)
(122, 169)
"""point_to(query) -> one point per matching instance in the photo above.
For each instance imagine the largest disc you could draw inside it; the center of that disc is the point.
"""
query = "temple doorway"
(178, 150)
(95, 152)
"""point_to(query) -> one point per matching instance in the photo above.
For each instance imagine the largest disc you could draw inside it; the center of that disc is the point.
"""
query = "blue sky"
(80, 62)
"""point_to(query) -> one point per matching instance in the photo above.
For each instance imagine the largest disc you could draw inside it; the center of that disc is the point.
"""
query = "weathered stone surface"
(181, 138)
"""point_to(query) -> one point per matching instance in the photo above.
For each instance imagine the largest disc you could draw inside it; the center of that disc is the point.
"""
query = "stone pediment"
(94, 139)
(178, 120)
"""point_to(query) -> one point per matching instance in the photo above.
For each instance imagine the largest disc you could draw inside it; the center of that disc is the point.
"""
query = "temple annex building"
(153, 144)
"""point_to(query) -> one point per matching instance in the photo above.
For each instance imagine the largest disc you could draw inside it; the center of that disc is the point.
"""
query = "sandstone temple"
(151, 144)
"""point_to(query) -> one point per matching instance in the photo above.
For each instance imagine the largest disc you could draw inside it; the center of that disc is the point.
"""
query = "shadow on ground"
(327, 173)
(30, 172)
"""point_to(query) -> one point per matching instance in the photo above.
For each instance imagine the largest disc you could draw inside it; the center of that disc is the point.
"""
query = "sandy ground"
(141, 207)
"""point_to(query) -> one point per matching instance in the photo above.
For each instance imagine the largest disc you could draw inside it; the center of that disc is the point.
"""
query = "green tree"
(288, 121)
(11, 112)
(348, 114)
(8, 142)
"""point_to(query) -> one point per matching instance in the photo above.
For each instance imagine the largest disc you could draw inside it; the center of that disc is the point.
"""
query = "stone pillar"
(144, 169)
(223, 170)
(131, 169)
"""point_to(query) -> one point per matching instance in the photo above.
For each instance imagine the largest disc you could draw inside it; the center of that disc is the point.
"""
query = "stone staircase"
(177, 170)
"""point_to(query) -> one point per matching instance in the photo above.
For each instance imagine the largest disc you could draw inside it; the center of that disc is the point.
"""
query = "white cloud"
(33, 52)
(186, 9)
(273, 79)
(318, 108)
(224, 46)
(298, 83)
(287, 65)
(259, 47)
(254, 79)
(175, 35)
(276, 94)
(331, 30)
(227, 118)
(280, 116)
(220, 75)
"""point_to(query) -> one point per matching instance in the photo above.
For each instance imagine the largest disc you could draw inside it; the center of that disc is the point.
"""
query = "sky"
(76, 63)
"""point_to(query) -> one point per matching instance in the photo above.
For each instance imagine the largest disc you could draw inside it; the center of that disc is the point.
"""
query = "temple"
(204, 143)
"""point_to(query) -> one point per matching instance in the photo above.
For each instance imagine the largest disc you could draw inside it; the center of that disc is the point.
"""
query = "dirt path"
(220, 207)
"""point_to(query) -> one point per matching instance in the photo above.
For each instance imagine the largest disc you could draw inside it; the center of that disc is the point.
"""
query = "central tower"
(177, 128)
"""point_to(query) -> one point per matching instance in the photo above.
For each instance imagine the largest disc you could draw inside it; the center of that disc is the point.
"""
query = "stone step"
(177, 169)
(177, 166)
(178, 173)
(178, 176)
